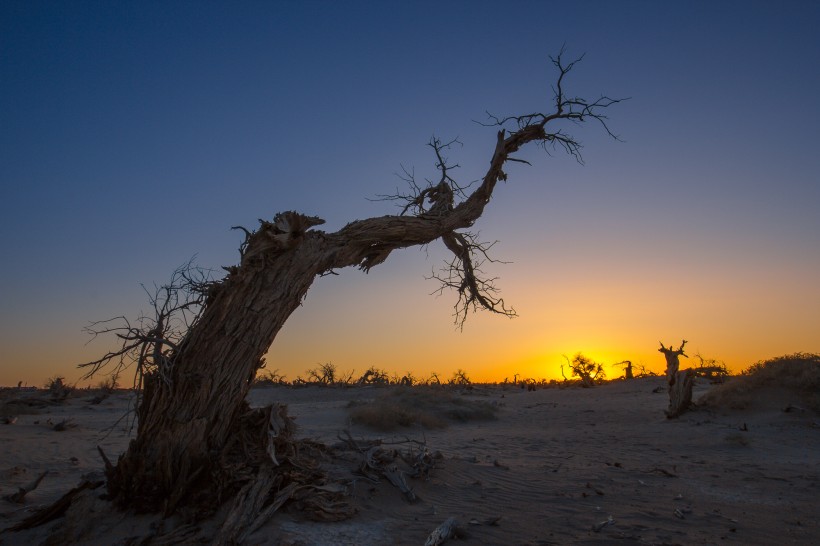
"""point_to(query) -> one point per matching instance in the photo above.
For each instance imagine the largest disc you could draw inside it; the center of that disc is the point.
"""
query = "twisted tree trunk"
(198, 442)
(192, 409)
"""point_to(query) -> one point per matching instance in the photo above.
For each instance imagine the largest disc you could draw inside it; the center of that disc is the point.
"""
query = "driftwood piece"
(63, 425)
(55, 510)
(448, 529)
(597, 527)
(396, 477)
(25, 490)
(680, 392)
(377, 461)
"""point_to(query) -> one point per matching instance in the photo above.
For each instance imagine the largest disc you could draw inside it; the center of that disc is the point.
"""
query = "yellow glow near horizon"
(356, 321)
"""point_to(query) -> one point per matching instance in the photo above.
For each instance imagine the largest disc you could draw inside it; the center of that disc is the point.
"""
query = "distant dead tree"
(325, 374)
(374, 376)
(198, 443)
(460, 378)
(680, 382)
(627, 366)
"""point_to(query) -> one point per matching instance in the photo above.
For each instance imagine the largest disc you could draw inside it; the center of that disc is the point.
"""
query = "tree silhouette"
(680, 382)
(198, 443)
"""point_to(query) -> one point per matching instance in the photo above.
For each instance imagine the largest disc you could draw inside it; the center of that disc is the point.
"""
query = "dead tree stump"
(680, 382)
(680, 393)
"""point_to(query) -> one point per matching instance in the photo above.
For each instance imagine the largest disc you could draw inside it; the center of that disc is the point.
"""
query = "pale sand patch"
(555, 463)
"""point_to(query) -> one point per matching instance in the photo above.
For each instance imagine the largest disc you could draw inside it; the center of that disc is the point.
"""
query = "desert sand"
(556, 466)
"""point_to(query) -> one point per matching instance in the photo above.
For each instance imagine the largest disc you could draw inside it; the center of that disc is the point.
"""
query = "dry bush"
(587, 370)
(374, 376)
(460, 378)
(796, 375)
(325, 374)
(712, 369)
(57, 388)
(268, 378)
(428, 407)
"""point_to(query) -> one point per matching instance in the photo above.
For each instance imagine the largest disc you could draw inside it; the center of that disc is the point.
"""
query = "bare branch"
(435, 197)
(463, 273)
(151, 340)
(573, 109)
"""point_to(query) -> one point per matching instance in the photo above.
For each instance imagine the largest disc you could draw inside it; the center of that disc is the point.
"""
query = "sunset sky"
(133, 135)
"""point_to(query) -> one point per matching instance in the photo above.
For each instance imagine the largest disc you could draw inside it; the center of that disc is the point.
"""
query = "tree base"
(680, 393)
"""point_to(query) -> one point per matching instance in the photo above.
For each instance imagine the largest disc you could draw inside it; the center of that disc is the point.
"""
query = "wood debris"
(447, 530)
(380, 462)
(598, 526)
(23, 491)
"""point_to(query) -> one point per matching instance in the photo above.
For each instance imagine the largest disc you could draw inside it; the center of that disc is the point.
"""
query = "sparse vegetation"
(795, 376)
(711, 369)
(268, 378)
(419, 406)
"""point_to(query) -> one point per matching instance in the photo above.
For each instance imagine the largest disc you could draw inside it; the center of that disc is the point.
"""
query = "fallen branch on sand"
(56, 509)
(377, 461)
(662, 471)
(65, 424)
(447, 530)
(23, 491)
(599, 526)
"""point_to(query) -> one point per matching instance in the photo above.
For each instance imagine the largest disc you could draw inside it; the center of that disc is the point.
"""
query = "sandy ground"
(555, 464)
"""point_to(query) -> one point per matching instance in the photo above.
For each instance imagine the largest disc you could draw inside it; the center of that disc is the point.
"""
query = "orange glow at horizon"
(357, 321)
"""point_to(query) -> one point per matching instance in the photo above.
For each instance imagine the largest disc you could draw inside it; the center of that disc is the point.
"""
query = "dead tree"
(197, 442)
(680, 382)
(627, 366)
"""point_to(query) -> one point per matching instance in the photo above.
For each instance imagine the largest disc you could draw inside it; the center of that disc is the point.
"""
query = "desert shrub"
(374, 376)
(460, 378)
(797, 374)
(419, 406)
(586, 369)
(711, 369)
(108, 385)
(434, 379)
(269, 378)
(325, 374)
(57, 389)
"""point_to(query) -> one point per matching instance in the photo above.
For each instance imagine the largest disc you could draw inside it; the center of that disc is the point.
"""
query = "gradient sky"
(134, 134)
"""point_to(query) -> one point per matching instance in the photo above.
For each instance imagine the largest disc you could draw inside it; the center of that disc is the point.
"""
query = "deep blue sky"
(134, 134)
